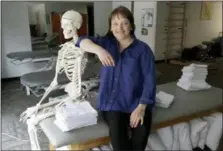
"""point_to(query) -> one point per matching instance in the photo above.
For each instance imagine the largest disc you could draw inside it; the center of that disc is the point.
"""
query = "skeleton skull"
(71, 21)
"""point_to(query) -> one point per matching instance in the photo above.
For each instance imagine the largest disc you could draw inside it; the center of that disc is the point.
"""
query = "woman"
(127, 81)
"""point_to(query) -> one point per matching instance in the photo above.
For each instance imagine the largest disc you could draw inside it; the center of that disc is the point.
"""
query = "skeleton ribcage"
(74, 62)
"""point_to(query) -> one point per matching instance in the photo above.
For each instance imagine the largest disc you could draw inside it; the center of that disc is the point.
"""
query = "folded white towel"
(198, 65)
(190, 86)
(201, 71)
(195, 68)
(164, 99)
(75, 115)
(76, 109)
(75, 119)
(198, 82)
(195, 77)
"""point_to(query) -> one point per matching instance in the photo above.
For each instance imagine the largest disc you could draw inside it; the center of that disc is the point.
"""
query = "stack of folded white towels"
(75, 115)
(194, 77)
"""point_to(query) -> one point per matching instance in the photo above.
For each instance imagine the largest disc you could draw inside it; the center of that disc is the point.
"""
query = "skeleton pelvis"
(73, 90)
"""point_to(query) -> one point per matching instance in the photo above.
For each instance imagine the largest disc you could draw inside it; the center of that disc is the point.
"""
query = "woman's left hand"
(137, 115)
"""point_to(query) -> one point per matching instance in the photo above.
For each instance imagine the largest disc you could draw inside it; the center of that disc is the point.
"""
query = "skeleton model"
(72, 61)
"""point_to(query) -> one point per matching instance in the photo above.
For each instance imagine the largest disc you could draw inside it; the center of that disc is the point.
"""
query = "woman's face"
(120, 27)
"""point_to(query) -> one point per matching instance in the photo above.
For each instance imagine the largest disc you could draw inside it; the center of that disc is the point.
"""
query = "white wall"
(123, 3)
(197, 30)
(33, 9)
(102, 11)
(202, 30)
(150, 38)
(15, 37)
(160, 44)
(61, 7)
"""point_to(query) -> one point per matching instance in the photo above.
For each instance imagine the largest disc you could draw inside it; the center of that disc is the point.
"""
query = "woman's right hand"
(105, 58)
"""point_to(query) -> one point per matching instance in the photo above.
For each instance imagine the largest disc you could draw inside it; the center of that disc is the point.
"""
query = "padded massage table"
(37, 81)
(41, 76)
(183, 109)
(34, 56)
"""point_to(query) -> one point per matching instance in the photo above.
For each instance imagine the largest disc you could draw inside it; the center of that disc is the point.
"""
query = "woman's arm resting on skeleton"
(92, 45)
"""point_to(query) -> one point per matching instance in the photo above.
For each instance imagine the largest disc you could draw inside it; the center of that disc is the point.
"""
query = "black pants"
(123, 137)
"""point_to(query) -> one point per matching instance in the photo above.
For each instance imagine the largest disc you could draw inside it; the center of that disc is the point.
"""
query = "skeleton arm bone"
(54, 83)
(33, 110)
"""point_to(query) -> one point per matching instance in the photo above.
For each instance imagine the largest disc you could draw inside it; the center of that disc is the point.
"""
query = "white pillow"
(215, 130)
(166, 136)
(197, 125)
(155, 143)
(105, 147)
(176, 142)
(148, 147)
(184, 137)
(95, 149)
(203, 135)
